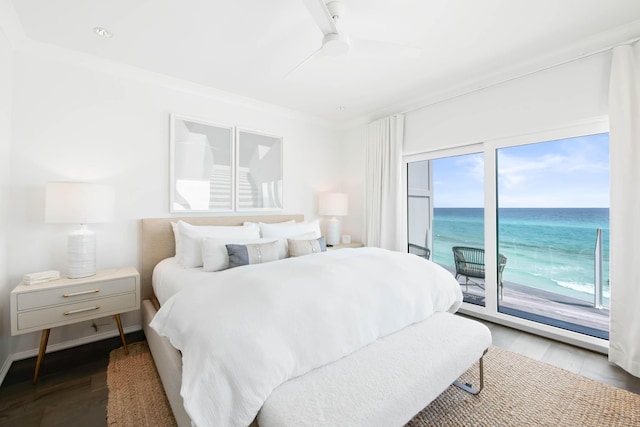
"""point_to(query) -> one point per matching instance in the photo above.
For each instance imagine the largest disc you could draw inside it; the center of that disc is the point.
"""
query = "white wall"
(78, 122)
(352, 156)
(5, 153)
(545, 100)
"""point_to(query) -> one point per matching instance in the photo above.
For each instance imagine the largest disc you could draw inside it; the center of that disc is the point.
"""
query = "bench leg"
(468, 387)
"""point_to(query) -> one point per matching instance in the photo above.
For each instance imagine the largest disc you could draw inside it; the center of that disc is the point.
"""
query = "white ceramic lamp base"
(333, 232)
(82, 253)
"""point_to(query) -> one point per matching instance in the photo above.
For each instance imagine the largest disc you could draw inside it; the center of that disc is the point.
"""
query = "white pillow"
(286, 230)
(176, 236)
(191, 239)
(215, 256)
(291, 221)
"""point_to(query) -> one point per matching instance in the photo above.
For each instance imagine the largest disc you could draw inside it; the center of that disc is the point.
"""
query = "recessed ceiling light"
(103, 32)
(340, 108)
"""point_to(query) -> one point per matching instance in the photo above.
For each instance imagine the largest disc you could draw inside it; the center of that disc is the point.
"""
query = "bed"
(384, 380)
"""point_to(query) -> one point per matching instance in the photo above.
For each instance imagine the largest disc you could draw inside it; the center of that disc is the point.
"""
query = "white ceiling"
(248, 47)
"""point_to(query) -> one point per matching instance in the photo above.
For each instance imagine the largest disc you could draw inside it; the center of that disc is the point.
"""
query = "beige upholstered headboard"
(158, 242)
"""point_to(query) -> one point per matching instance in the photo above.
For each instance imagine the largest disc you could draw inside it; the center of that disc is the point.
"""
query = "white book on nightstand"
(42, 276)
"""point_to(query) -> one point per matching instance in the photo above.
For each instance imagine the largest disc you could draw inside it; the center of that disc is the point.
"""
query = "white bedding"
(245, 331)
(169, 277)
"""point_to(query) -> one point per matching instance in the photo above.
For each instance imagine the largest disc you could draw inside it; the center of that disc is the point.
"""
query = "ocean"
(551, 249)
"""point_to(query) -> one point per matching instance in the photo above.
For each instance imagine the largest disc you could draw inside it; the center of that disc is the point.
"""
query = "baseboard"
(63, 346)
(5, 368)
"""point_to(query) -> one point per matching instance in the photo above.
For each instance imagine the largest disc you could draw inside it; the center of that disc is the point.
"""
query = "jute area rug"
(519, 391)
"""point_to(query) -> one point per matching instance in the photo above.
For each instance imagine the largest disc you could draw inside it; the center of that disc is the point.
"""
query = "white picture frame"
(202, 166)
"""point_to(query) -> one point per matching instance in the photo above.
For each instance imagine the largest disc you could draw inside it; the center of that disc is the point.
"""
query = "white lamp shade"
(333, 204)
(79, 203)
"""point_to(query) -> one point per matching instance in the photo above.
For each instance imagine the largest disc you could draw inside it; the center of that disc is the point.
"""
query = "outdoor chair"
(470, 263)
(421, 251)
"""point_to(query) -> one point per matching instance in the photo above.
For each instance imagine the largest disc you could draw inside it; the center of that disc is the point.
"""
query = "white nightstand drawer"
(77, 293)
(71, 313)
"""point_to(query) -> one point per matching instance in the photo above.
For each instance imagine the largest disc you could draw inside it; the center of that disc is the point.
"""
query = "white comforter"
(247, 330)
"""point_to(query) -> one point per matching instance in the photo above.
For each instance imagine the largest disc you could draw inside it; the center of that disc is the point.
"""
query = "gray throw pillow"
(252, 253)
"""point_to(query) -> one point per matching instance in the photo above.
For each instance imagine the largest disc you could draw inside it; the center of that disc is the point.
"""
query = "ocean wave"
(576, 287)
(537, 248)
(587, 288)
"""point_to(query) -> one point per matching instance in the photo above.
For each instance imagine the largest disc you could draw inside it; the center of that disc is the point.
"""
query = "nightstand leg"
(43, 348)
(124, 342)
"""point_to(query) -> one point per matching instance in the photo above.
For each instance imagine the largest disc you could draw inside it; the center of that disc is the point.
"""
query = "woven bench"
(380, 385)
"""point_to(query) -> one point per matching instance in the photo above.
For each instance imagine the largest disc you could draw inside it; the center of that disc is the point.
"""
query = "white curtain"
(383, 221)
(624, 116)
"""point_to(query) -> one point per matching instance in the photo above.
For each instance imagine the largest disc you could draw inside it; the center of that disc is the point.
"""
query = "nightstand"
(43, 306)
(344, 246)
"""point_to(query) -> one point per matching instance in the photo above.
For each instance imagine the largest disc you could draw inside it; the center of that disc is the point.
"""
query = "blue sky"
(564, 173)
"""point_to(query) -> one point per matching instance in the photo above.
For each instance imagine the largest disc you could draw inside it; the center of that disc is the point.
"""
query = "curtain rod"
(525, 74)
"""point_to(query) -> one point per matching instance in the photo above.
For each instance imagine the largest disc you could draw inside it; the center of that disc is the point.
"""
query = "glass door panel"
(446, 211)
(419, 208)
(553, 229)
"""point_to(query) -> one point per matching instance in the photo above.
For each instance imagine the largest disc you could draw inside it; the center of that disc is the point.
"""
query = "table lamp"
(82, 204)
(333, 205)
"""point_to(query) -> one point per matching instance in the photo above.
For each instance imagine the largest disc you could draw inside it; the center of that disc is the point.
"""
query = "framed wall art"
(258, 171)
(202, 166)
(219, 168)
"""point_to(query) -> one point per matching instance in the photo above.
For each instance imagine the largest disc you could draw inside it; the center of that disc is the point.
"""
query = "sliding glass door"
(534, 231)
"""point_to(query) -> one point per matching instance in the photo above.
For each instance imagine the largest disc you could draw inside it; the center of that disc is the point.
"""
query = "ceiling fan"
(336, 42)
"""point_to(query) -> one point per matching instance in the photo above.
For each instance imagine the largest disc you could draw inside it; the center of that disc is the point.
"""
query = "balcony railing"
(597, 293)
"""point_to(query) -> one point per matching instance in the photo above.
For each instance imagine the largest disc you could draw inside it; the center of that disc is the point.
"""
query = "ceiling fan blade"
(386, 49)
(320, 14)
(307, 59)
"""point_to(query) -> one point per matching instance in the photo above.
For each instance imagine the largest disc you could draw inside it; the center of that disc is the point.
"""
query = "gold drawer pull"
(75, 294)
(80, 310)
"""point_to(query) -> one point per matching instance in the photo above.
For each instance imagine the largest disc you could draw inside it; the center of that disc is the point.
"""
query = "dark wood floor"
(72, 390)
